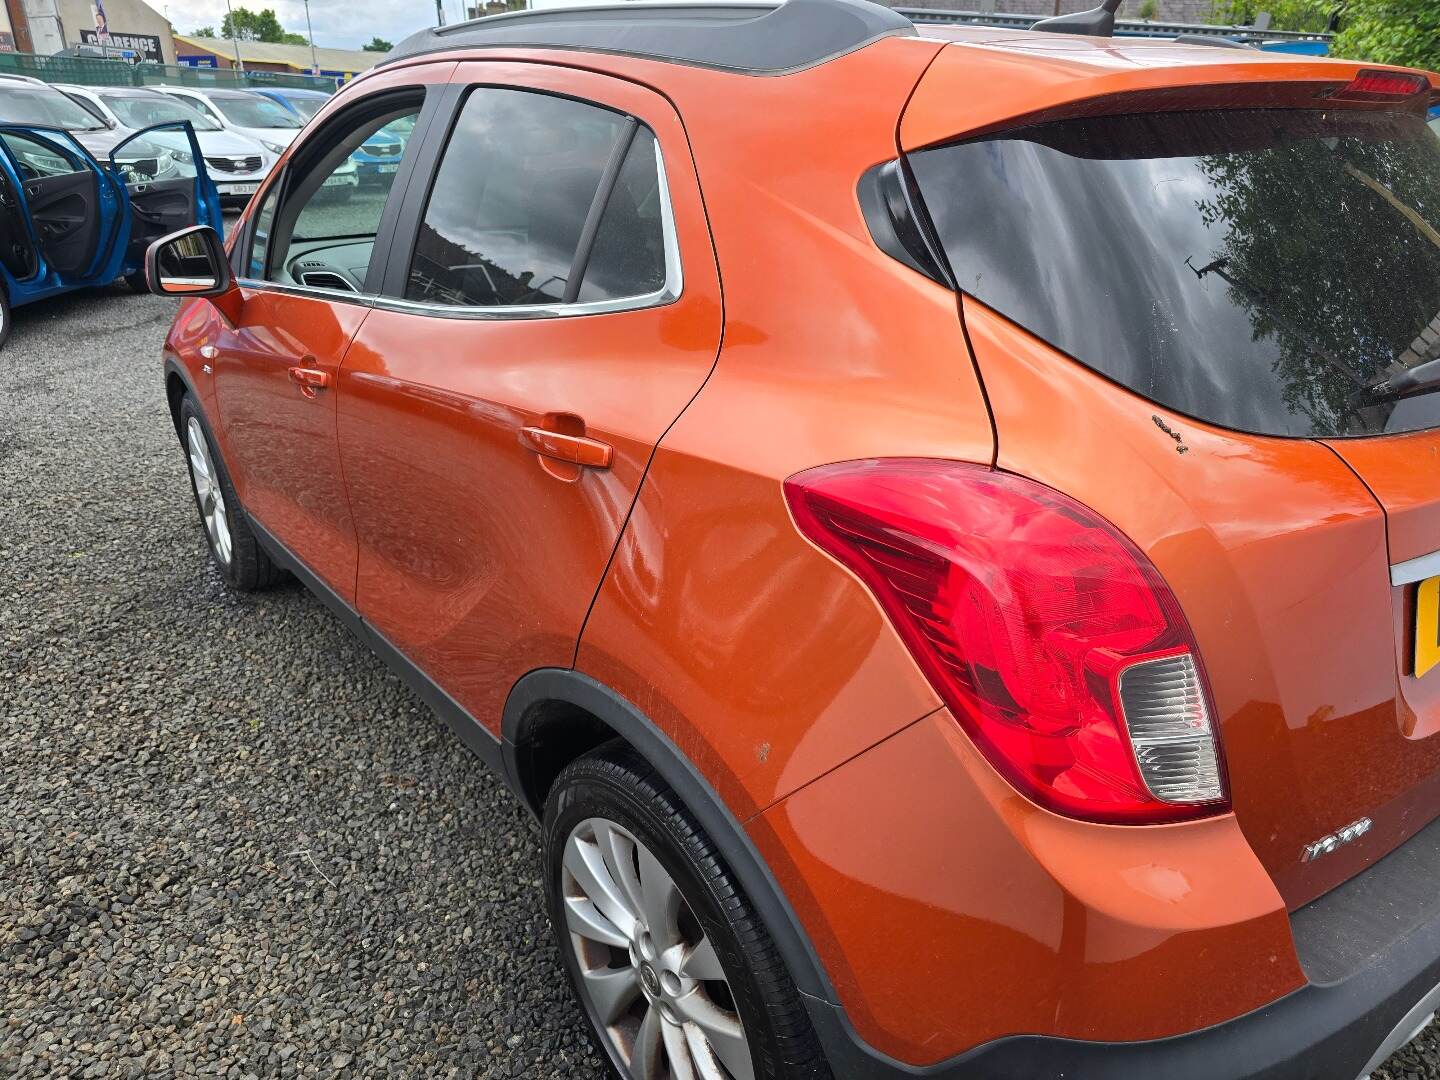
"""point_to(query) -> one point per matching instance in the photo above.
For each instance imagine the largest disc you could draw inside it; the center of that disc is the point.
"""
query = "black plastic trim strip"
(550, 685)
(889, 214)
(580, 261)
(404, 214)
(473, 734)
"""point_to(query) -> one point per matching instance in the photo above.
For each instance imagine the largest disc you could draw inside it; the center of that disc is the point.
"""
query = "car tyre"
(137, 282)
(236, 552)
(671, 959)
(4, 318)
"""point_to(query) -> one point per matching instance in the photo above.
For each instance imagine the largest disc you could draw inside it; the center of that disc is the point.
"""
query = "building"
(340, 64)
(48, 26)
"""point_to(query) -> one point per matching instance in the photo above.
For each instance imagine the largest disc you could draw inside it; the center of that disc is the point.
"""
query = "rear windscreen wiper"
(1420, 379)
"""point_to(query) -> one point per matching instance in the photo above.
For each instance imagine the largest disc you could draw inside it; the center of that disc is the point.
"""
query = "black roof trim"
(752, 39)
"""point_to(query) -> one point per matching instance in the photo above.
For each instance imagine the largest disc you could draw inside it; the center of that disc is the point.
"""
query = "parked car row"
(91, 174)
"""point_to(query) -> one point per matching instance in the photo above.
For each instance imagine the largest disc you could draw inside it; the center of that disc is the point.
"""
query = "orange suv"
(941, 524)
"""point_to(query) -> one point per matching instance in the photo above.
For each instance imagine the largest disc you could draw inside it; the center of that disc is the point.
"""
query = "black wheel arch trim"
(550, 685)
(177, 369)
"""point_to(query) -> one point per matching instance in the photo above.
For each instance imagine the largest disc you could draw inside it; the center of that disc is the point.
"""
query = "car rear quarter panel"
(949, 910)
(763, 660)
(1277, 554)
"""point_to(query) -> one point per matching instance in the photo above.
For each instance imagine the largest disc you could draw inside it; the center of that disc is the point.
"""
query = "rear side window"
(521, 176)
(1265, 270)
(628, 258)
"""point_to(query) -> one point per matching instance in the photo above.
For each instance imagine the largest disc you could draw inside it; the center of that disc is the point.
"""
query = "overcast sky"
(339, 24)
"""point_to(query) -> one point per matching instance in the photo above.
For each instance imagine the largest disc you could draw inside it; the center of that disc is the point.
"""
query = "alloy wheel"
(647, 970)
(207, 492)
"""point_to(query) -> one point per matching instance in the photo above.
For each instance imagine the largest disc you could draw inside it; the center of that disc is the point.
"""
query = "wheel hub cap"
(649, 974)
(208, 495)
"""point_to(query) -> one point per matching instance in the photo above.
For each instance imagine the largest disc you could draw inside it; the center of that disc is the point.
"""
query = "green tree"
(378, 44)
(1298, 220)
(204, 31)
(1391, 32)
(1311, 16)
(242, 24)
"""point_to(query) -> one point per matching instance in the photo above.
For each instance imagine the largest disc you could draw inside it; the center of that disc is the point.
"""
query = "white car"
(236, 163)
(253, 115)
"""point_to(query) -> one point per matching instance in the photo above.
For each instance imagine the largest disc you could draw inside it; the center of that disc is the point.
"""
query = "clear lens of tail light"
(1048, 634)
(1168, 719)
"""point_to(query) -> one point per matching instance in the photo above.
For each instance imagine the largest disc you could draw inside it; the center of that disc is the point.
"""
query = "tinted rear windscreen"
(1256, 269)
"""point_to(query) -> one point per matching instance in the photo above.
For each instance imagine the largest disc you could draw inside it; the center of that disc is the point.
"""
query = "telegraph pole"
(234, 36)
(314, 60)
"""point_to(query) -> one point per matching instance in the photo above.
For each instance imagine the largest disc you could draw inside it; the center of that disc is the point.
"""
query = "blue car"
(303, 103)
(378, 156)
(69, 221)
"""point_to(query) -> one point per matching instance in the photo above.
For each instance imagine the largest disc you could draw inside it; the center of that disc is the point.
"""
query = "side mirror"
(190, 262)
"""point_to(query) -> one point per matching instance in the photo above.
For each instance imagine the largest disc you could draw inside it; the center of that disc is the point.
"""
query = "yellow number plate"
(1427, 626)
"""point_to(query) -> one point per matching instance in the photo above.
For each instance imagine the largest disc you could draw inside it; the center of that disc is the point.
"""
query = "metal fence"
(88, 71)
(1123, 27)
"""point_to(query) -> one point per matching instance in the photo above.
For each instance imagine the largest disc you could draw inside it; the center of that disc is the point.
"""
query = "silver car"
(236, 163)
(239, 110)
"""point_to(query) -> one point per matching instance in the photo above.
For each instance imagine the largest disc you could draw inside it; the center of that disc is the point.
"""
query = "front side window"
(1265, 270)
(45, 108)
(200, 106)
(307, 107)
(254, 111)
(146, 110)
(519, 181)
(38, 158)
(322, 235)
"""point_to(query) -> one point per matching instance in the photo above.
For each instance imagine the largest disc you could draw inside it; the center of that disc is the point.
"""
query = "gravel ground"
(230, 842)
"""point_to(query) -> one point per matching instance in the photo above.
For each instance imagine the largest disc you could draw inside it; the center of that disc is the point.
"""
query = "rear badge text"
(1340, 837)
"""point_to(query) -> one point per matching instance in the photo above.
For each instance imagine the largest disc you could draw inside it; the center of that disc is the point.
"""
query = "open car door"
(162, 174)
(65, 210)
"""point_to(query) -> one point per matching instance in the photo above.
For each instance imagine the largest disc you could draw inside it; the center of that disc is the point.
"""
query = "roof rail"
(764, 38)
(29, 80)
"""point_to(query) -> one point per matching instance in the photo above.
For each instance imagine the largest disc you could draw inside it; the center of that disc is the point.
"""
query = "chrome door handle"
(576, 449)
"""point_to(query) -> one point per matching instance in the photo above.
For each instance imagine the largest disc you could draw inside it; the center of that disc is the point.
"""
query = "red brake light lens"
(1383, 86)
(1038, 624)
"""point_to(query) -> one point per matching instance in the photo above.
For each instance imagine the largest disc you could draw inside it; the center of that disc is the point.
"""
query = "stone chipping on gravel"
(231, 844)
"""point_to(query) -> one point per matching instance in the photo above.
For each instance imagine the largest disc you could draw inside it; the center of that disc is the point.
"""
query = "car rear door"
(500, 405)
(70, 207)
(165, 184)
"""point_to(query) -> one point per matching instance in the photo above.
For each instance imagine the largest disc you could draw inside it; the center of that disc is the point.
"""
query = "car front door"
(166, 186)
(548, 310)
(70, 208)
(304, 286)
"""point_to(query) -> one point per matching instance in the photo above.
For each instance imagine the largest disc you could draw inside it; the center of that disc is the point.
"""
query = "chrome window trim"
(1413, 570)
(258, 285)
(670, 292)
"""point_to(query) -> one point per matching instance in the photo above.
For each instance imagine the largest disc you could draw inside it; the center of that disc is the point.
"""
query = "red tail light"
(1051, 638)
(1383, 86)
